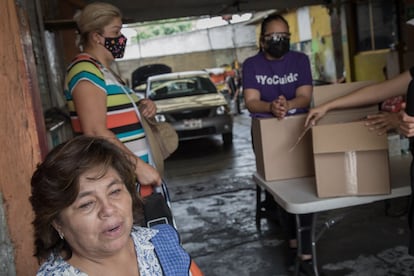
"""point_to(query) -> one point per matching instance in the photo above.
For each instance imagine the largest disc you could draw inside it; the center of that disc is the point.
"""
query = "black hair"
(270, 18)
(266, 21)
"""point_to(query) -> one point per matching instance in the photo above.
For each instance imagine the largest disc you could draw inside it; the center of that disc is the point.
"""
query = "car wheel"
(228, 138)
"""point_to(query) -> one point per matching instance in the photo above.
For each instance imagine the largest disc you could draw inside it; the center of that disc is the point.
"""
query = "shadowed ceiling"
(138, 10)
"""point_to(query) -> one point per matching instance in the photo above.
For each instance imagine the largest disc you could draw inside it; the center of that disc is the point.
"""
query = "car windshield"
(180, 87)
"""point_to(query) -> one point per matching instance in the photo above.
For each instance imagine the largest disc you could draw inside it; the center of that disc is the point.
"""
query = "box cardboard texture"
(349, 159)
(325, 93)
(273, 141)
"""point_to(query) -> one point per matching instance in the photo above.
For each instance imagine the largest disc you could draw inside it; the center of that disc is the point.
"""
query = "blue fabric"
(174, 260)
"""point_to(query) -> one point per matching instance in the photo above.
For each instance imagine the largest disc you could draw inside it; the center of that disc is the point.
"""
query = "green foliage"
(162, 28)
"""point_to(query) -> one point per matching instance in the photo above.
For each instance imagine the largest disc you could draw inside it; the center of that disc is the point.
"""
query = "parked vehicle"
(191, 103)
(141, 74)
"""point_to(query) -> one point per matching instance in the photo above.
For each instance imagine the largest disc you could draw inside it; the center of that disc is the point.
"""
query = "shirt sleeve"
(307, 72)
(84, 70)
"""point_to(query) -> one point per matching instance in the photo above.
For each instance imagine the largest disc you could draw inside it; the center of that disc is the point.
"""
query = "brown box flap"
(325, 93)
(354, 136)
(348, 115)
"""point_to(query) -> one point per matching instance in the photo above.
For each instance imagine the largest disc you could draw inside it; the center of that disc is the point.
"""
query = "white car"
(191, 103)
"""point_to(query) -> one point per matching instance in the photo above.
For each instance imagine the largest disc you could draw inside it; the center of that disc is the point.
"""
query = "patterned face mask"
(116, 45)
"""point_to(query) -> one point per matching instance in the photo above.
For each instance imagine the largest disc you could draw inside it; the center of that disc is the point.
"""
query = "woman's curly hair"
(55, 186)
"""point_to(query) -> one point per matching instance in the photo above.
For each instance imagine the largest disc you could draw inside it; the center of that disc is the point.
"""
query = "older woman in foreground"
(87, 216)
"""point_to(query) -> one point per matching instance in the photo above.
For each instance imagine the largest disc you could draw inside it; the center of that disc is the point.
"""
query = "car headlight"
(220, 110)
(160, 118)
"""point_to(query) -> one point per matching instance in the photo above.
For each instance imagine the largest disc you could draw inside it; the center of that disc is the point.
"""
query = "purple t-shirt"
(277, 77)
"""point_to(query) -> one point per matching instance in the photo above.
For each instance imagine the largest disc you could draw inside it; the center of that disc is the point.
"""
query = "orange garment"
(145, 190)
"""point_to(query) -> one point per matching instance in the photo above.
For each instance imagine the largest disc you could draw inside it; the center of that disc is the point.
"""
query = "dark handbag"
(157, 207)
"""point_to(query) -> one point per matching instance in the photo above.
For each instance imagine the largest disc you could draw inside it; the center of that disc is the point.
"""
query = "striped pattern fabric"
(121, 118)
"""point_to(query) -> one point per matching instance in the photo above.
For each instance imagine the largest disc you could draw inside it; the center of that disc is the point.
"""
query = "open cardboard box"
(277, 157)
(350, 160)
(325, 93)
(273, 138)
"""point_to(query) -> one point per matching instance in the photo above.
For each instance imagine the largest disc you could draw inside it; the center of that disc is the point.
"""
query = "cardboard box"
(274, 138)
(325, 93)
(348, 115)
(350, 160)
(273, 141)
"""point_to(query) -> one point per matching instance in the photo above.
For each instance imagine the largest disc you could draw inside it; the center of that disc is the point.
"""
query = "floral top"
(146, 257)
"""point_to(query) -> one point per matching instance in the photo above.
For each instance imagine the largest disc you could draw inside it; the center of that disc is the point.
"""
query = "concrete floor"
(213, 198)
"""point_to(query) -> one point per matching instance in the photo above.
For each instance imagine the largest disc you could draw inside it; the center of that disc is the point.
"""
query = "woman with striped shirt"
(100, 104)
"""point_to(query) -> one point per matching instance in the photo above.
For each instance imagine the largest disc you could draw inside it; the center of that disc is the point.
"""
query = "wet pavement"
(213, 198)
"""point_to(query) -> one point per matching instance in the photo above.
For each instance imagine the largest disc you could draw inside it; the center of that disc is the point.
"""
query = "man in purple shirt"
(277, 82)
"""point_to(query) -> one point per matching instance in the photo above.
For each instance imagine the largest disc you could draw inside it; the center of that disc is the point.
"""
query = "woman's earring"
(61, 235)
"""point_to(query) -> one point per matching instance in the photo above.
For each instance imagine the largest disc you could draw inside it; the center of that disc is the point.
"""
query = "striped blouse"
(121, 116)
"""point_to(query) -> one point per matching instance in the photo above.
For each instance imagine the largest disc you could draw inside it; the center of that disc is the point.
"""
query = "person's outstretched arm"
(371, 94)
(90, 102)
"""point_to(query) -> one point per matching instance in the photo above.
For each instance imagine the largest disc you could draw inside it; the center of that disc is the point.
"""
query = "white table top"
(298, 195)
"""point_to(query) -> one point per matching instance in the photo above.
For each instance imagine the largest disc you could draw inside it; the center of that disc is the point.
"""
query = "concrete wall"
(188, 61)
(191, 51)
(312, 34)
(224, 37)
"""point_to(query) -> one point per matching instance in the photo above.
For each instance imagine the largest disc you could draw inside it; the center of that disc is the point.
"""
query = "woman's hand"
(382, 122)
(315, 114)
(147, 108)
(146, 174)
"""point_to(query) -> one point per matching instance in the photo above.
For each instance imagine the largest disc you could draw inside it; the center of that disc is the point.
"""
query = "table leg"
(299, 241)
(299, 229)
(313, 243)
(259, 212)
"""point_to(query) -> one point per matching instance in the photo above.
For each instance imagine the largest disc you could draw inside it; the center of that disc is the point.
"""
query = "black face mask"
(277, 48)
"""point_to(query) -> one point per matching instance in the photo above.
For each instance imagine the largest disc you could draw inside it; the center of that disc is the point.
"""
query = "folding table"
(298, 196)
